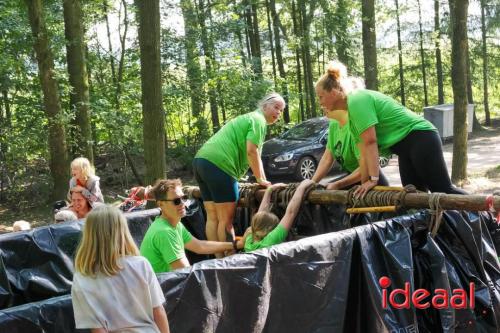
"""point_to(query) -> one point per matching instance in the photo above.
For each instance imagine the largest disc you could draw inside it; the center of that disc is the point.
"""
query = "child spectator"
(114, 289)
(266, 229)
(85, 181)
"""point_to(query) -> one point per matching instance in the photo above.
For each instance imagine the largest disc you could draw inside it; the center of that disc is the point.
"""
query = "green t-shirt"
(164, 244)
(342, 146)
(392, 121)
(227, 149)
(276, 236)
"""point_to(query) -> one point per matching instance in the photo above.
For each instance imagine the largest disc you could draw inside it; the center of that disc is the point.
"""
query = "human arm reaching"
(293, 207)
(266, 200)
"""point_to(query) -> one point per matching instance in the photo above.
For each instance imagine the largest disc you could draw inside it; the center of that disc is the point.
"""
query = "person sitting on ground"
(164, 242)
(84, 180)
(266, 229)
(114, 288)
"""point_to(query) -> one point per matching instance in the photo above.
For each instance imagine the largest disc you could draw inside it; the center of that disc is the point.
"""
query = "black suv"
(297, 151)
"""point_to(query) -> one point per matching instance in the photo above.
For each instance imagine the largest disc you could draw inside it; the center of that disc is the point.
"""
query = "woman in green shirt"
(225, 158)
(379, 124)
(341, 148)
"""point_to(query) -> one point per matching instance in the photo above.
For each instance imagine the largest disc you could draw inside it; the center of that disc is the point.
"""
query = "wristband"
(235, 245)
(374, 178)
(260, 180)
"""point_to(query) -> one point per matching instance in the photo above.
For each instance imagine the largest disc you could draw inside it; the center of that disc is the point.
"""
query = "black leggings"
(421, 163)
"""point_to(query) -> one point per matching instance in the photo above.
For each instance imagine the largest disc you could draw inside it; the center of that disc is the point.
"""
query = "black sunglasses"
(178, 201)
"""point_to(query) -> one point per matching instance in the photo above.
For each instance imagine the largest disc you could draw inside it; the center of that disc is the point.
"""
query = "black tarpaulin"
(325, 283)
(330, 283)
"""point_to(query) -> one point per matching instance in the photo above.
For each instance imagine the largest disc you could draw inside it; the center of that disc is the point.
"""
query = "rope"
(379, 198)
(400, 201)
(247, 194)
(436, 212)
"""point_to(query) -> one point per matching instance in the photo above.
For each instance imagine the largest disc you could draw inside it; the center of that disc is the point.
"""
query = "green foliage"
(116, 110)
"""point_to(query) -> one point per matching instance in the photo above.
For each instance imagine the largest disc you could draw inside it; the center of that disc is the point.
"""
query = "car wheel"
(305, 168)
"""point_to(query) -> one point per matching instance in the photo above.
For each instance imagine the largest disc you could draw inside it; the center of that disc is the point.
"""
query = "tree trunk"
(485, 65)
(306, 53)
(400, 57)
(208, 50)
(458, 16)
(279, 59)
(151, 98)
(369, 43)
(302, 42)
(422, 53)
(297, 61)
(57, 137)
(6, 104)
(243, 56)
(439, 64)
(343, 41)
(476, 126)
(78, 78)
(253, 36)
(110, 45)
(123, 38)
(194, 76)
(271, 45)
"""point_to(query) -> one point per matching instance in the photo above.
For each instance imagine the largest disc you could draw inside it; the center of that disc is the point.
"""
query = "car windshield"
(305, 131)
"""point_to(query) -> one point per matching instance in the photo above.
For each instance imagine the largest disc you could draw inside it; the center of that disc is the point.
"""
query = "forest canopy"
(217, 58)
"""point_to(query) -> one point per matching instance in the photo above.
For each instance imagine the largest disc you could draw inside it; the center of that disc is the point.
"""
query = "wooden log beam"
(410, 200)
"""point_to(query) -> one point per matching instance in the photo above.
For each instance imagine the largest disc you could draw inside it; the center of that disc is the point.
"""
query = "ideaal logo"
(440, 299)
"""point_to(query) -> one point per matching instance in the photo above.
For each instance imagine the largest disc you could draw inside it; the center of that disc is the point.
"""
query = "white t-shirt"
(123, 302)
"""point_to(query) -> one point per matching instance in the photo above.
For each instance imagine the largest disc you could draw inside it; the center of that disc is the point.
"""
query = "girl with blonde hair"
(267, 229)
(84, 180)
(114, 288)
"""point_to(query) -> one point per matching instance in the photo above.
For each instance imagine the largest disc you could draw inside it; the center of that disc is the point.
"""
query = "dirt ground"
(483, 172)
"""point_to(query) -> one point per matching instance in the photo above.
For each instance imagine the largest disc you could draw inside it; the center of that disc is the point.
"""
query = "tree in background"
(369, 43)
(400, 57)
(151, 97)
(458, 17)
(193, 68)
(437, 46)
(52, 106)
(485, 63)
(78, 79)
(422, 53)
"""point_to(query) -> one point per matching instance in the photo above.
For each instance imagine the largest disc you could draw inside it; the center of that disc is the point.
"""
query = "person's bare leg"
(225, 216)
(212, 223)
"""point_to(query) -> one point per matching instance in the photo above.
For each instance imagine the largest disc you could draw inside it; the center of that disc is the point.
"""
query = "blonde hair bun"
(337, 70)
